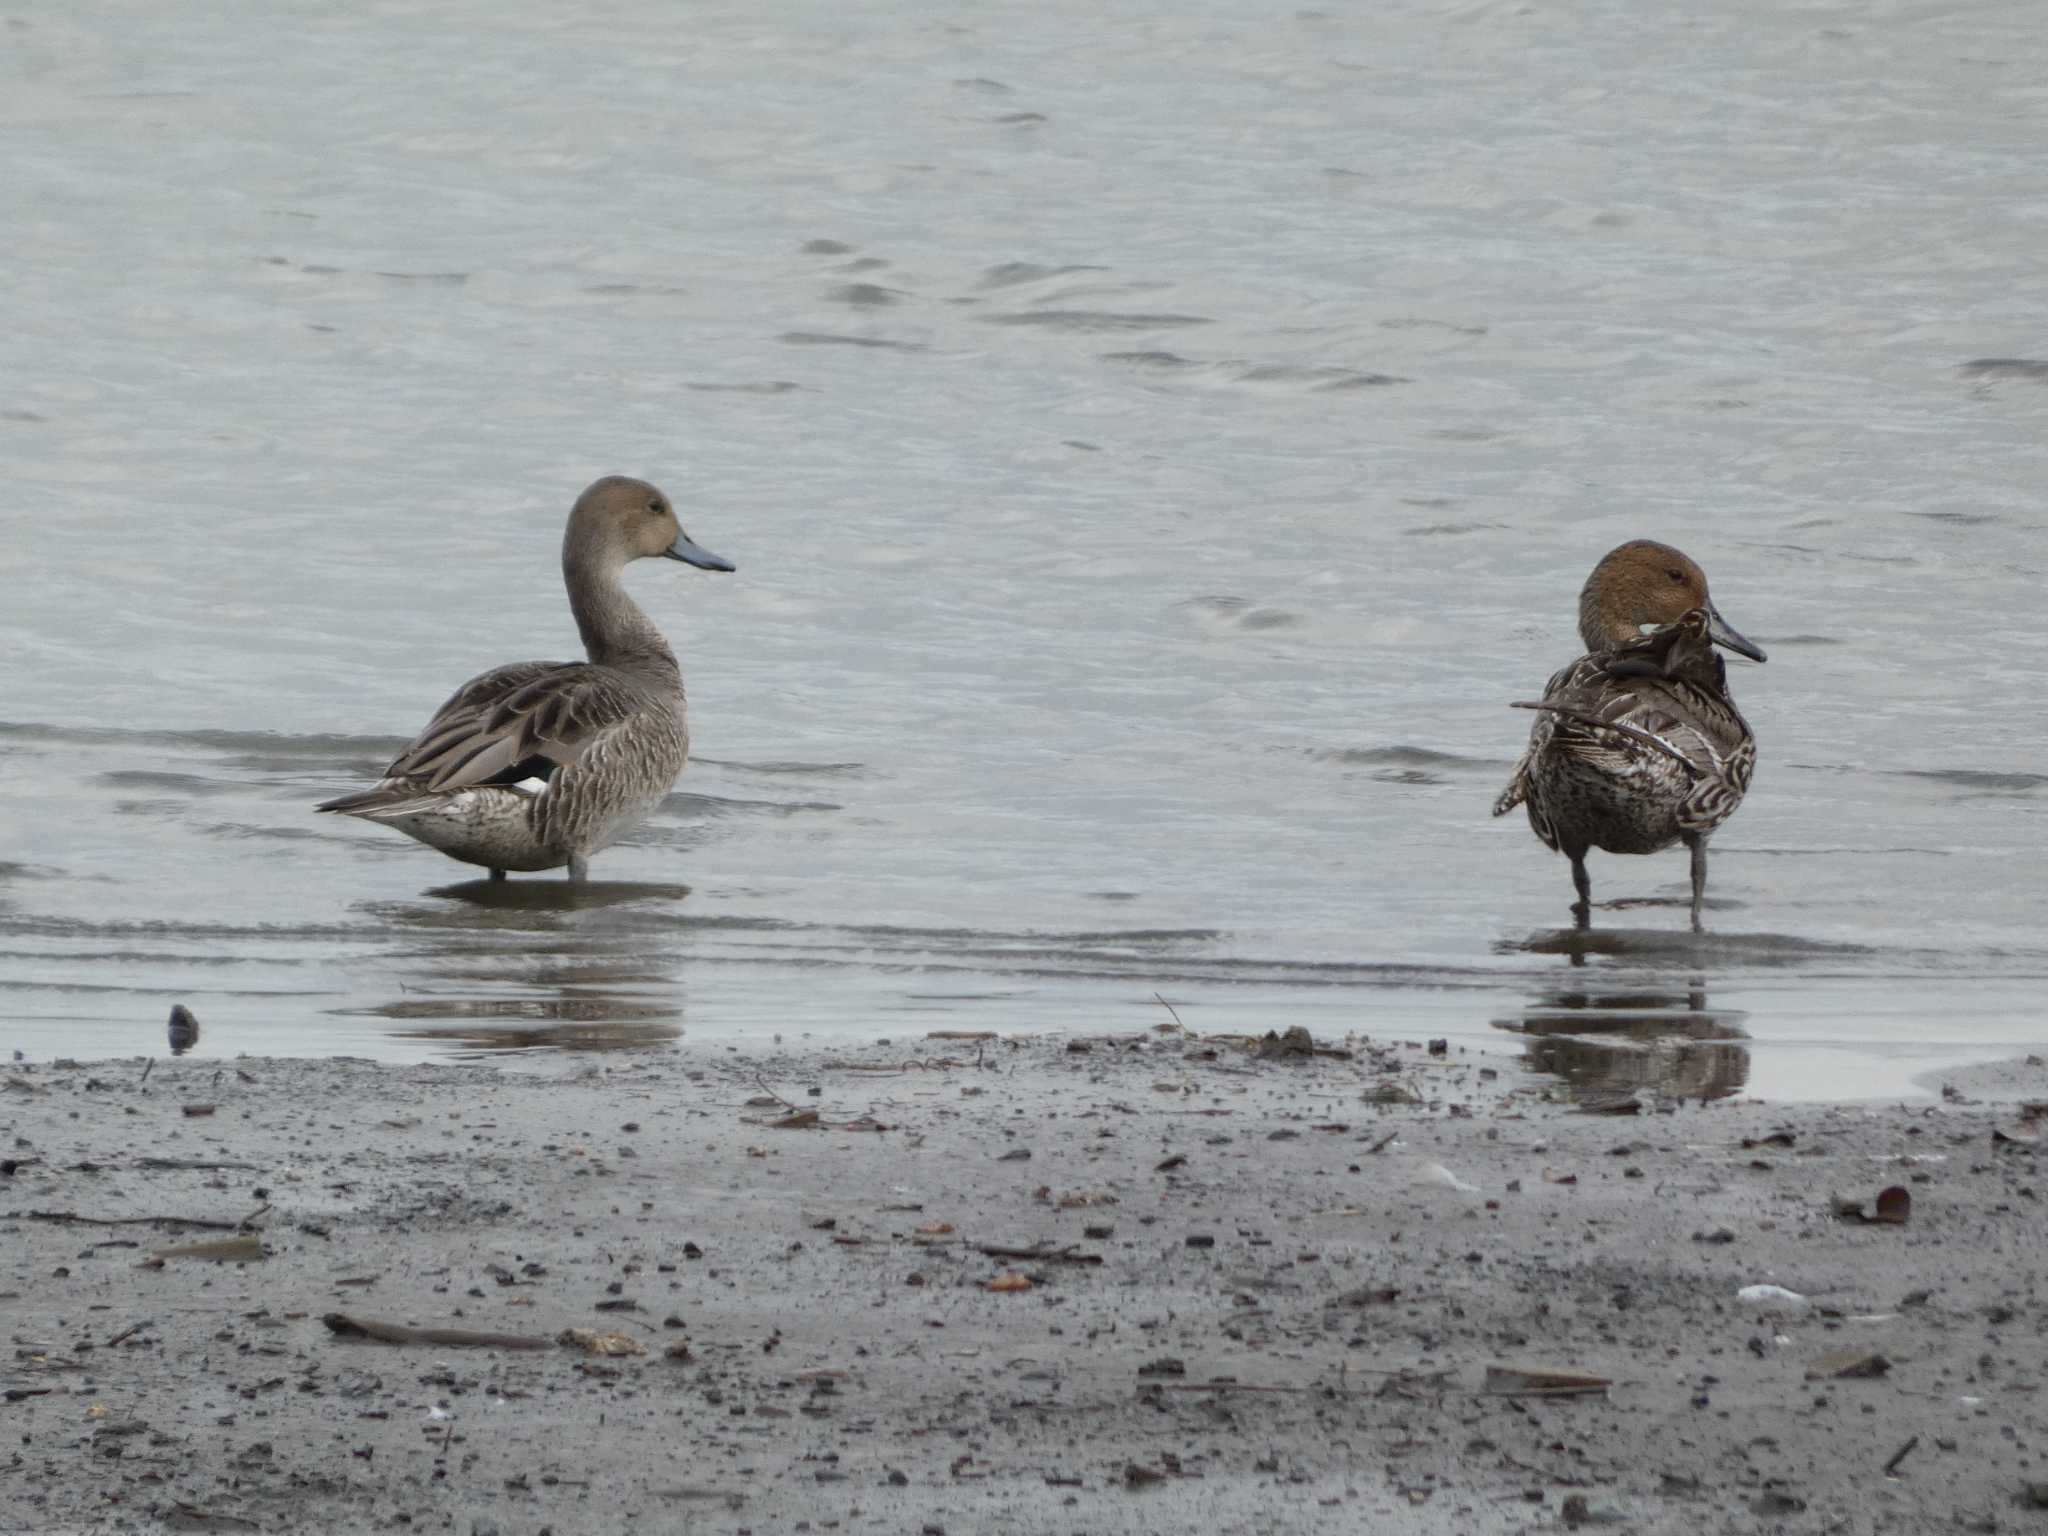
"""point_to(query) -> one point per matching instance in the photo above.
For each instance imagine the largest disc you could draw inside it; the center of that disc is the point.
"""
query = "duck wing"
(523, 721)
(1618, 710)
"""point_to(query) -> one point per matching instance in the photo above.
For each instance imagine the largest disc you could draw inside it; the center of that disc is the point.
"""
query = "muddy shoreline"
(1251, 1292)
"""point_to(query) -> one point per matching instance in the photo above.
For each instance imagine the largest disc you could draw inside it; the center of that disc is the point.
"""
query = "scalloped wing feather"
(495, 722)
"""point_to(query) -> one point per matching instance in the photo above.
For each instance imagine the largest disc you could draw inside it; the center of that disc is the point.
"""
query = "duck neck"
(616, 632)
(1599, 627)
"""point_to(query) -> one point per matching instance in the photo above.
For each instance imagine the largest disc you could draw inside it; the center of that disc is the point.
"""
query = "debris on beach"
(1297, 1044)
(1773, 1296)
(343, 1325)
(1894, 1205)
(1839, 1364)
(1437, 1173)
(245, 1249)
(1523, 1381)
(1071, 1254)
(594, 1343)
(1254, 1291)
(1611, 1104)
(1074, 1199)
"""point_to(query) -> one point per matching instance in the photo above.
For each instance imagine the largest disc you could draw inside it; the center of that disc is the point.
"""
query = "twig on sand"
(72, 1218)
(726, 1496)
(1900, 1455)
(762, 1083)
(349, 1327)
(1170, 1009)
(1421, 1380)
(1068, 1255)
(206, 1519)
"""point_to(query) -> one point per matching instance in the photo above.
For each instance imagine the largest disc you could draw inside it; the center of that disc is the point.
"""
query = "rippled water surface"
(1156, 446)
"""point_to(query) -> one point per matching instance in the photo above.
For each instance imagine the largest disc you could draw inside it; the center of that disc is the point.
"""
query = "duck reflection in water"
(551, 896)
(1651, 1036)
(474, 1034)
(507, 966)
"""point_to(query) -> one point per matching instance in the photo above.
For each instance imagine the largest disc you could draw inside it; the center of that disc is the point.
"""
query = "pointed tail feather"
(379, 801)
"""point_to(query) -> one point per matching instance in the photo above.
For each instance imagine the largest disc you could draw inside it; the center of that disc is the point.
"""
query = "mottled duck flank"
(541, 763)
(1638, 744)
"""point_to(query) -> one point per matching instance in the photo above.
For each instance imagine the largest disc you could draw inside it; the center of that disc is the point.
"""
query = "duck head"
(1645, 585)
(619, 519)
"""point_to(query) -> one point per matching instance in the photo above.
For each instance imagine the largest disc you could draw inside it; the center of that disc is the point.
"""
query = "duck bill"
(1722, 633)
(691, 553)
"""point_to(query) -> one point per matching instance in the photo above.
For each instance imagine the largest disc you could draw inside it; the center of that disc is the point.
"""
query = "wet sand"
(1264, 1294)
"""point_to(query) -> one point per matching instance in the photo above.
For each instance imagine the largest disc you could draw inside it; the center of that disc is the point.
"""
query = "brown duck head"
(1645, 585)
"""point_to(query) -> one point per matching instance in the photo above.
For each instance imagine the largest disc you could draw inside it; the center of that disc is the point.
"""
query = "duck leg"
(1582, 909)
(1697, 842)
(579, 867)
(497, 875)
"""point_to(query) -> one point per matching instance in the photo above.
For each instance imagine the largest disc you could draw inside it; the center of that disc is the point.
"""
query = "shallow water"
(1156, 449)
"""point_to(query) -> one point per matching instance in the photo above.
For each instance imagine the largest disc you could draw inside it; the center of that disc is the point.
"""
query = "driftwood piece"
(1068, 1255)
(243, 1248)
(346, 1326)
(73, 1218)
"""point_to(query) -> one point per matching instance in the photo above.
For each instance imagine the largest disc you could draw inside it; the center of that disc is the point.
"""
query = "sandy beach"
(1035, 1284)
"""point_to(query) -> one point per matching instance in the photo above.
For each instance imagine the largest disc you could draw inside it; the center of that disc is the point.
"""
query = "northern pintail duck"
(1638, 744)
(542, 763)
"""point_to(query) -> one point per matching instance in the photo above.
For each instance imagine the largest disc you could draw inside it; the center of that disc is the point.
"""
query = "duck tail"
(368, 802)
(1517, 790)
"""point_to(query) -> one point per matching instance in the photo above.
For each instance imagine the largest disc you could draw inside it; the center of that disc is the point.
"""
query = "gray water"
(1156, 446)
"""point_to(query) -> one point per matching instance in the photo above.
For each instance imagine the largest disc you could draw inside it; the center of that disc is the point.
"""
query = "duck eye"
(1675, 574)
(655, 508)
